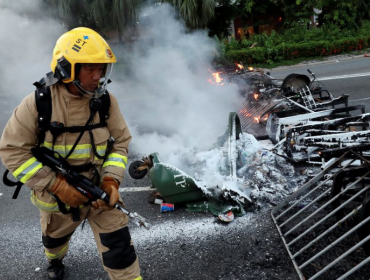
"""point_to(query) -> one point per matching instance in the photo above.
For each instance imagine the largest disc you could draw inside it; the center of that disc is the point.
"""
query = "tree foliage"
(342, 13)
(224, 14)
(118, 14)
(103, 15)
(347, 14)
(249, 7)
(196, 13)
(100, 15)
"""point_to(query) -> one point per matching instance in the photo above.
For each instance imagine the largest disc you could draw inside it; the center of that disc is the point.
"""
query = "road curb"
(317, 63)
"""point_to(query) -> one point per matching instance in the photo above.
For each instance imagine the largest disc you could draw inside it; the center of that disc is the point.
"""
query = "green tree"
(248, 7)
(225, 13)
(363, 11)
(347, 14)
(196, 13)
(297, 12)
(253, 8)
(100, 15)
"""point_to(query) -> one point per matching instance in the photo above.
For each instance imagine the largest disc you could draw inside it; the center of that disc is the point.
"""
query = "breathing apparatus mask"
(102, 85)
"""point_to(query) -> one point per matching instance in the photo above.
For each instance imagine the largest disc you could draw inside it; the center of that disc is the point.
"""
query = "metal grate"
(307, 98)
(318, 223)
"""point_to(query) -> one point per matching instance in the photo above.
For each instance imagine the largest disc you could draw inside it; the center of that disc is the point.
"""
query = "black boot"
(56, 270)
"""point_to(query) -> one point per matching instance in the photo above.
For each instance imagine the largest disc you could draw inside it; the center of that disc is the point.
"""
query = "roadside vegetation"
(340, 27)
(294, 45)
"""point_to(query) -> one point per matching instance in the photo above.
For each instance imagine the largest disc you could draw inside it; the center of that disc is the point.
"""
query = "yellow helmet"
(80, 45)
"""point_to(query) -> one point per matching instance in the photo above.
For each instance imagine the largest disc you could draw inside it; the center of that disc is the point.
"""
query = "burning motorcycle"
(267, 99)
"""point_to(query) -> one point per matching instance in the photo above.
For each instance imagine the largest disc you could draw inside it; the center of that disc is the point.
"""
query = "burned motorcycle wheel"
(134, 172)
(364, 230)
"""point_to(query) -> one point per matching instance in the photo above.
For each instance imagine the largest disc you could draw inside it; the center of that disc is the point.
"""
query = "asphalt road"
(180, 245)
(339, 76)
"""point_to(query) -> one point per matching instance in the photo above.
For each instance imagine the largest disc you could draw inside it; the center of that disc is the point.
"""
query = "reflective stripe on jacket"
(27, 170)
(115, 159)
(20, 135)
(80, 152)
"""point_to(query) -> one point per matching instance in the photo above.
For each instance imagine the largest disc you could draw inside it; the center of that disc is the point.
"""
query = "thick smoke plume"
(27, 36)
(160, 80)
(166, 99)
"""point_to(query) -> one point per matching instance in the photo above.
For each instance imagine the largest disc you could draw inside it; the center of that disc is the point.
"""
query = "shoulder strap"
(43, 104)
(44, 109)
(104, 110)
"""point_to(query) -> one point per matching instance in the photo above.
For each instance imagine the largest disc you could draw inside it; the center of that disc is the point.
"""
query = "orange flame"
(250, 68)
(255, 95)
(217, 78)
(247, 114)
(239, 65)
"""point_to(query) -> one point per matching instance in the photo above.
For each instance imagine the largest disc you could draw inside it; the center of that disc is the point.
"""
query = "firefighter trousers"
(111, 235)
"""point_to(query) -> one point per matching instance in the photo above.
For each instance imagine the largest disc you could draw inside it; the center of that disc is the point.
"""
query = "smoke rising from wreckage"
(309, 107)
(253, 252)
(317, 128)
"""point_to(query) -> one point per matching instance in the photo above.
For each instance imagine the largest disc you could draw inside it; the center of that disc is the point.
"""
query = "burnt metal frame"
(309, 118)
(302, 137)
(297, 197)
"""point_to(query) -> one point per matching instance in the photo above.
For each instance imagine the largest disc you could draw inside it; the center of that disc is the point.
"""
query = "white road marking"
(344, 76)
(137, 189)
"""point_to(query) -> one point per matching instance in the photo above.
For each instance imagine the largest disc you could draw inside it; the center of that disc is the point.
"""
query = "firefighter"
(81, 131)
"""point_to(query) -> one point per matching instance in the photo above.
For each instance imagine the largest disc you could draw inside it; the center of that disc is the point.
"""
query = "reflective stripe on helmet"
(80, 152)
(114, 159)
(27, 170)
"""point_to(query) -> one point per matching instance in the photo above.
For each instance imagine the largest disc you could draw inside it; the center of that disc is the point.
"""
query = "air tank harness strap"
(57, 128)
(95, 106)
(62, 208)
(11, 183)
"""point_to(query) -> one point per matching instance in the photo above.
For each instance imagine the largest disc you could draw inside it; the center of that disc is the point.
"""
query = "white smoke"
(160, 81)
(27, 36)
(169, 104)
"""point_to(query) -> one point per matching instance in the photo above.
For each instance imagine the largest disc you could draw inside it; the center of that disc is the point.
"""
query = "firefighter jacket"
(20, 135)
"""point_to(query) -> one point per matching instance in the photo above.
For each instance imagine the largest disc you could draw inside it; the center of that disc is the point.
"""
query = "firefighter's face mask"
(92, 78)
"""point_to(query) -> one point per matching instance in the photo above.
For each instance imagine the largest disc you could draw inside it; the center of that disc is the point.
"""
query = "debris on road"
(325, 224)
(315, 141)
(237, 175)
(167, 207)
